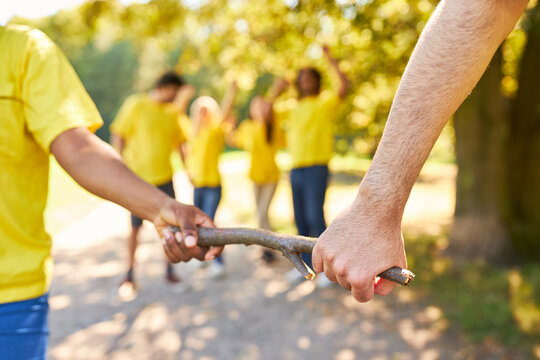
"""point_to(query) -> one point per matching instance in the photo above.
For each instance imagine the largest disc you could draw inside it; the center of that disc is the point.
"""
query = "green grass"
(486, 302)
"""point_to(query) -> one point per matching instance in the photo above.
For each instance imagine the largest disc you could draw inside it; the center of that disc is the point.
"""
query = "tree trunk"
(523, 159)
(479, 230)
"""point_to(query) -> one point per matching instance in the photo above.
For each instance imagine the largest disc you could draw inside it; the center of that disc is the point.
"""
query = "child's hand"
(182, 245)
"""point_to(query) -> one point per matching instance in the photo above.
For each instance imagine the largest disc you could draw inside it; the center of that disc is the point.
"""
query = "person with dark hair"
(261, 136)
(170, 78)
(310, 141)
(308, 82)
(145, 132)
(45, 110)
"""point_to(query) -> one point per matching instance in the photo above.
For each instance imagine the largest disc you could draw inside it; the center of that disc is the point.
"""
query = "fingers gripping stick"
(289, 245)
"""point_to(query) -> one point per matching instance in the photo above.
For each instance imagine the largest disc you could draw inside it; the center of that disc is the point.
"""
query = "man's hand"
(358, 245)
(182, 246)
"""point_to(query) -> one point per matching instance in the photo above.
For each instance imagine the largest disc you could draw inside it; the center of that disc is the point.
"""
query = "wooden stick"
(289, 245)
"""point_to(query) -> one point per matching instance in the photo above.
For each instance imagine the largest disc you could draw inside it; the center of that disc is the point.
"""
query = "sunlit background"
(467, 306)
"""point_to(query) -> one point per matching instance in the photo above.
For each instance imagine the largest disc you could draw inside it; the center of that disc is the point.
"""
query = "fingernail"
(190, 241)
(178, 237)
(167, 234)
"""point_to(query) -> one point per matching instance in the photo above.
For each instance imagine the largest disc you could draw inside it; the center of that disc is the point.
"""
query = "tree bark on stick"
(289, 245)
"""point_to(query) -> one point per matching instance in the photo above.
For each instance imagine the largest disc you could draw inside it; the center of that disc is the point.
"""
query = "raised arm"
(279, 87)
(228, 101)
(343, 82)
(183, 97)
(97, 168)
(452, 53)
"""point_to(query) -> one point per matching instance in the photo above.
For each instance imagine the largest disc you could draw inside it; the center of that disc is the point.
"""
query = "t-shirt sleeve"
(279, 136)
(55, 98)
(218, 133)
(182, 137)
(329, 99)
(281, 117)
(242, 135)
(123, 122)
(185, 126)
(177, 134)
(283, 112)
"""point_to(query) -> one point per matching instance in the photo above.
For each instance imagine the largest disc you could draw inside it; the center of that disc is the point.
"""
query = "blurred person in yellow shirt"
(310, 142)
(262, 137)
(206, 142)
(145, 132)
(44, 109)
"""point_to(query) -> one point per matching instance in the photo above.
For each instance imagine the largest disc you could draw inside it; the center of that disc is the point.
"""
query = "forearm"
(184, 95)
(343, 81)
(97, 168)
(228, 101)
(278, 88)
(117, 142)
(449, 59)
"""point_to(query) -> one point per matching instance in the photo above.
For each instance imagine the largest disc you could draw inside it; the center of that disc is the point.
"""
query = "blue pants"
(24, 329)
(207, 199)
(308, 191)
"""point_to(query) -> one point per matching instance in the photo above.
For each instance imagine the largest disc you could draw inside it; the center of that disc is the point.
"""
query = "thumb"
(188, 227)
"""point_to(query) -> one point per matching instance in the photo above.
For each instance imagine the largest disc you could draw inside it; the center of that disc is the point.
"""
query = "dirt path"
(252, 313)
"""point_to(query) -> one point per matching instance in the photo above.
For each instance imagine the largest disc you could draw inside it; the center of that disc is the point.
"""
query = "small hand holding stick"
(289, 245)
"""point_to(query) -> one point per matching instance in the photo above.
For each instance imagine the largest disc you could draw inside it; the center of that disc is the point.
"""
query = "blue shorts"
(24, 329)
(167, 188)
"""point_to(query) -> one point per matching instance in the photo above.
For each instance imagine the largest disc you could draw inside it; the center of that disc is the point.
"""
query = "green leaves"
(216, 42)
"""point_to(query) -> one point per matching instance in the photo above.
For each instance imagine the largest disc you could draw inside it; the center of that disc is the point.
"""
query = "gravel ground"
(251, 313)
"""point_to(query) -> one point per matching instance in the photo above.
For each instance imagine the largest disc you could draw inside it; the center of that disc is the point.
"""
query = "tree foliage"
(213, 42)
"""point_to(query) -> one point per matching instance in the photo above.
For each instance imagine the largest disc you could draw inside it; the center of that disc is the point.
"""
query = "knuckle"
(341, 269)
(359, 280)
(330, 257)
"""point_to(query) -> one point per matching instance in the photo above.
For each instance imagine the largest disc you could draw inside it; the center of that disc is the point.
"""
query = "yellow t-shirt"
(251, 136)
(40, 98)
(205, 147)
(309, 129)
(151, 131)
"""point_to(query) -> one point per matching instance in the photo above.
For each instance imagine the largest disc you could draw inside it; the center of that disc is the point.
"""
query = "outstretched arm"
(452, 53)
(97, 168)
(343, 82)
